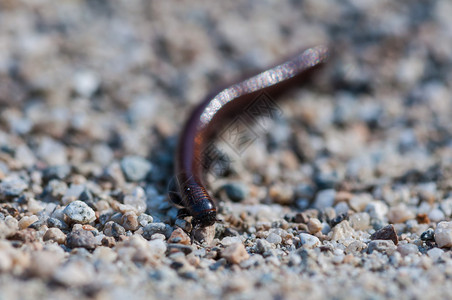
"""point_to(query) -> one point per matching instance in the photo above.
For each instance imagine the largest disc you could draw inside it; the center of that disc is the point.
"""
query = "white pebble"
(309, 241)
(79, 212)
(435, 253)
(443, 234)
(324, 199)
(436, 215)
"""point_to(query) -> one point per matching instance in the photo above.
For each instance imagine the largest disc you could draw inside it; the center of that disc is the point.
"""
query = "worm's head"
(199, 204)
(205, 219)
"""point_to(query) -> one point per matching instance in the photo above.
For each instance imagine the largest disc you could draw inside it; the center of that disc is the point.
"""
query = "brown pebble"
(386, 233)
(314, 225)
(81, 239)
(54, 234)
(235, 253)
(130, 221)
(304, 217)
(422, 219)
(108, 241)
(179, 237)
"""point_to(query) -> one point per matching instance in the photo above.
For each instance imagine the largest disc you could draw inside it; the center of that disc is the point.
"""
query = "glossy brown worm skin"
(208, 117)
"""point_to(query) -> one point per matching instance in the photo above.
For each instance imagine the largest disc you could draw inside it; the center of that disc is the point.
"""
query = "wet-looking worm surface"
(189, 192)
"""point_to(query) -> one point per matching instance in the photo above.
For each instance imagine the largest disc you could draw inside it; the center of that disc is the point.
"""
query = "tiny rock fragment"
(54, 234)
(179, 237)
(386, 233)
(235, 253)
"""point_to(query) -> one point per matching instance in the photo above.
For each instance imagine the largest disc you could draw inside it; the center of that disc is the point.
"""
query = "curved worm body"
(208, 116)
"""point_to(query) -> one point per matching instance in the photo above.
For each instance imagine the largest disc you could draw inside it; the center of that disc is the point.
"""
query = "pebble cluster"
(348, 196)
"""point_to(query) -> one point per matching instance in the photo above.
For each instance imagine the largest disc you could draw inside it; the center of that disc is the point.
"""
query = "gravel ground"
(348, 196)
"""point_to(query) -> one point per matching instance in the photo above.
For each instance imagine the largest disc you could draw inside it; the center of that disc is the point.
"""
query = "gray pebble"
(274, 238)
(54, 222)
(236, 191)
(80, 212)
(145, 219)
(262, 246)
(114, 229)
(324, 199)
(153, 228)
(383, 246)
(12, 186)
(135, 168)
(407, 249)
(81, 238)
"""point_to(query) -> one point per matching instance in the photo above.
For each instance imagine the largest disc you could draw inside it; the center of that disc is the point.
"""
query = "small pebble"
(79, 212)
(145, 219)
(383, 246)
(114, 229)
(407, 249)
(400, 214)
(235, 253)
(314, 225)
(179, 236)
(360, 221)
(309, 241)
(436, 215)
(27, 221)
(130, 221)
(54, 234)
(273, 238)
(435, 253)
(81, 238)
(135, 168)
(428, 235)
(153, 228)
(236, 191)
(324, 199)
(12, 186)
(443, 234)
(386, 233)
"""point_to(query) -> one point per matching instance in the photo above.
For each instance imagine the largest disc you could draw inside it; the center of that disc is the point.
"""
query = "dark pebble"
(81, 239)
(236, 192)
(386, 233)
(338, 219)
(108, 241)
(56, 172)
(53, 222)
(325, 181)
(117, 230)
(428, 235)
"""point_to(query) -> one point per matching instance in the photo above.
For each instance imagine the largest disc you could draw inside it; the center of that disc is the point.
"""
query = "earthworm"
(190, 193)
